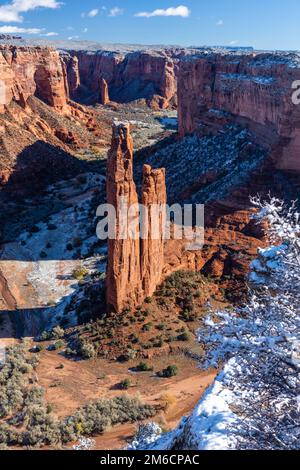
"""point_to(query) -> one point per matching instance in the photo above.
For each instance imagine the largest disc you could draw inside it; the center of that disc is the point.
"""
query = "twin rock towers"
(135, 264)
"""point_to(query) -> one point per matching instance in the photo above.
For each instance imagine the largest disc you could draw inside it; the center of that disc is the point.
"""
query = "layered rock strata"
(26, 72)
(134, 266)
(255, 90)
(151, 76)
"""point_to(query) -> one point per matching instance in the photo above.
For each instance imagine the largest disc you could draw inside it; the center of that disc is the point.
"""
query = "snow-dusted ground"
(254, 402)
(208, 428)
(39, 266)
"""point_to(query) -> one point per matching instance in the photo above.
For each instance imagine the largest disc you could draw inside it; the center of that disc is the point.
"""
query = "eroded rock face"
(253, 89)
(32, 71)
(134, 267)
(154, 197)
(151, 76)
(104, 94)
(72, 73)
(123, 271)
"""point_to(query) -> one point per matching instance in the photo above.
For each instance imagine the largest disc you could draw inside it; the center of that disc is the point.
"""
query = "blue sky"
(263, 24)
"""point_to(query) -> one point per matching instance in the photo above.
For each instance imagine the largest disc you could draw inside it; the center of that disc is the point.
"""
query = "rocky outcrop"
(134, 267)
(26, 72)
(123, 270)
(70, 65)
(154, 198)
(252, 89)
(104, 94)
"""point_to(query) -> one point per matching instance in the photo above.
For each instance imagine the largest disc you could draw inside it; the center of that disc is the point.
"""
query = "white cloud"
(220, 23)
(11, 12)
(116, 11)
(85, 30)
(182, 11)
(93, 13)
(233, 43)
(16, 30)
(51, 33)
(70, 38)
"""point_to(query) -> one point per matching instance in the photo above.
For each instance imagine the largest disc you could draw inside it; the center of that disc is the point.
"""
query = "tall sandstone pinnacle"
(104, 94)
(134, 266)
(154, 197)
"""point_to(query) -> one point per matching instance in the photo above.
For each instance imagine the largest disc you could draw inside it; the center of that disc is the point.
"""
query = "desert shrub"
(125, 384)
(147, 327)
(144, 367)
(56, 346)
(70, 352)
(87, 350)
(58, 332)
(37, 349)
(80, 273)
(134, 338)
(96, 417)
(184, 336)
(170, 371)
(45, 336)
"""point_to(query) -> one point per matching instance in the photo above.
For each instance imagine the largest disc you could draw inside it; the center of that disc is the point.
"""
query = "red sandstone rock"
(254, 90)
(137, 75)
(123, 268)
(26, 71)
(154, 197)
(70, 65)
(134, 268)
(104, 95)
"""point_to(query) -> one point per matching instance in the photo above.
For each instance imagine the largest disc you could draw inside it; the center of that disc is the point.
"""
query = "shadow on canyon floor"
(22, 199)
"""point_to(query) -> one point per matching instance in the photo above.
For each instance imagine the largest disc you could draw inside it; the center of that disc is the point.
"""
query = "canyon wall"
(41, 129)
(26, 71)
(151, 76)
(254, 89)
(134, 266)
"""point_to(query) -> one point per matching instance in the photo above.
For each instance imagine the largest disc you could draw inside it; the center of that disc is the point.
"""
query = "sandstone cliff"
(134, 267)
(40, 127)
(35, 71)
(151, 76)
(252, 89)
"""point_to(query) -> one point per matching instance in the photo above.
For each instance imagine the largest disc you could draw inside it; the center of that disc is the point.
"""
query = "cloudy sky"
(263, 24)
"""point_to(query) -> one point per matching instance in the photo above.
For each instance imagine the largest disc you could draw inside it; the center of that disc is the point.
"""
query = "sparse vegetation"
(32, 422)
(125, 384)
(143, 367)
(170, 371)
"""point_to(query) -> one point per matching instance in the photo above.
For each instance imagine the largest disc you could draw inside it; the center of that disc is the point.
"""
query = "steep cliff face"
(154, 198)
(138, 75)
(123, 269)
(253, 89)
(134, 267)
(40, 127)
(35, 71)
(104, 93)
